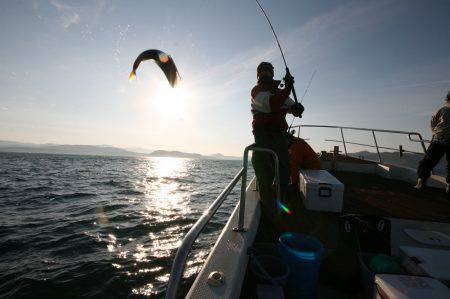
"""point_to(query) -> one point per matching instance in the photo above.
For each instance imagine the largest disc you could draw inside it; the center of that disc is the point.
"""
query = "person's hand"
(297, 109)
(289, 81)
(275, 85)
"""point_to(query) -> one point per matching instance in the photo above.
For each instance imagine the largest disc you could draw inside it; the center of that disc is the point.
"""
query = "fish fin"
(132, 75)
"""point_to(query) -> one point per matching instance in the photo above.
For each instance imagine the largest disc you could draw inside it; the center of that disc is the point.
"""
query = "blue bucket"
(272, 266)
(303, 254)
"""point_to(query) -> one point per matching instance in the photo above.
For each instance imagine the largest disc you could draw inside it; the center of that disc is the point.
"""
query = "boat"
(415, 226)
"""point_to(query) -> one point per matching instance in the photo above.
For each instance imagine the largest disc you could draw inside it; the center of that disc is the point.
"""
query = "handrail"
(344, 142)
(254, 148)
(179, 262)
(368, 145)
(185, 247)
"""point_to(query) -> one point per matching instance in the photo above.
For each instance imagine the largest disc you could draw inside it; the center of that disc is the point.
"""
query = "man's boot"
(421, 184)
(447, 189)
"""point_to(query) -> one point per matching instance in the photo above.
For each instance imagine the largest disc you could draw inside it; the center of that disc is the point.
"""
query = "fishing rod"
(279, 46)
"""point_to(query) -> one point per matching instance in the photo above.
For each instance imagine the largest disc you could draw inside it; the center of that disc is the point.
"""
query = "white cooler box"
(321, 191)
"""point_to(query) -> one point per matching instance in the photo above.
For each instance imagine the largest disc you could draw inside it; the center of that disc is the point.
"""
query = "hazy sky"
(64, 69)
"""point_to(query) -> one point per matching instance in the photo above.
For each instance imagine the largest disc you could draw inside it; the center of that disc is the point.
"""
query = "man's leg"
(264, 171)
(284, 167)
(447, 157)
(433, 154)
(263, 167)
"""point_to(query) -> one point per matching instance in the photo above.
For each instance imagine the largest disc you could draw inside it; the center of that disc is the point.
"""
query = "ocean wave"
(130, 192)
(38, 188)
(183, 180)
(84, 227)
(70, 195)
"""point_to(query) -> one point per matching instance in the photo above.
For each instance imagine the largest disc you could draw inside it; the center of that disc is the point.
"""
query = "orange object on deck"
(301, 156)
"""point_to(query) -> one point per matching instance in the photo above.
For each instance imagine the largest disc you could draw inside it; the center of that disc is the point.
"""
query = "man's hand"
(289, 81)
(297, 109)
(275, 85)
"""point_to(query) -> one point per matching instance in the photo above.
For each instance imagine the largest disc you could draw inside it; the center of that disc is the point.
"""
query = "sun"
(171, 102)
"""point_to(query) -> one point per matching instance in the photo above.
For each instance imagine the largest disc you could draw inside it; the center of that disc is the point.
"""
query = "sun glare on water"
(162, 190)
(165, 167)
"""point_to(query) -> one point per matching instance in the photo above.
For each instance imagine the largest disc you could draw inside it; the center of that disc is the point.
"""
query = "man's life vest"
(269, 108)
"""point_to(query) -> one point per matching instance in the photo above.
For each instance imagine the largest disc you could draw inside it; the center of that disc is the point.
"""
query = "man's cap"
(263, 66)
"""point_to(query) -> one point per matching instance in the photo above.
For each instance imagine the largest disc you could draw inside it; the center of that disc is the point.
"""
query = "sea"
(104, 227)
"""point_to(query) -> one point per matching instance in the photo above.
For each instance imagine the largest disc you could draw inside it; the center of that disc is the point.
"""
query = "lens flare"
(283, 207)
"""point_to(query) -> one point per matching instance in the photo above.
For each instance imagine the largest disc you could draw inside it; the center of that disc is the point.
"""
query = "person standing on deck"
(270, 105)
(440, 145)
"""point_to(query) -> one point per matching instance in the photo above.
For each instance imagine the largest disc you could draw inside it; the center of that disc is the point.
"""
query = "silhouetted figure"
(440, 145)
(270, 105)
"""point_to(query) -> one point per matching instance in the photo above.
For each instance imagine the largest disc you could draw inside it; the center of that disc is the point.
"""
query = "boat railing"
(182, 254)
(345, 142)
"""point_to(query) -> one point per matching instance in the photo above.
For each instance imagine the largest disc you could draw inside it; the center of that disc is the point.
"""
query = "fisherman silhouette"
(269, 106)
(440, 145)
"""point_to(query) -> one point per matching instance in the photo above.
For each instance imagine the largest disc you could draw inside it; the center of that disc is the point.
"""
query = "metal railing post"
(179, 262)
(421, 142)
(240, 227)
(343, 141)
(376, 144)
(346, 142)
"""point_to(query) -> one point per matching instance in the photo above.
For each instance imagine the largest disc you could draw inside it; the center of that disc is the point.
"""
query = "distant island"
(408, 160)
(101, 150)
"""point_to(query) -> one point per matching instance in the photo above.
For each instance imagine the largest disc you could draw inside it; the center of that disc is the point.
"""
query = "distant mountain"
(176, 154)
(94, 150)
(219, 156)
(98, 150)
(5, 143)
(139, 150)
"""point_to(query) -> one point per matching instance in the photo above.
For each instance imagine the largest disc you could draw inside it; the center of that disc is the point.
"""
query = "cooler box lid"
(317, 178)
(391, 286)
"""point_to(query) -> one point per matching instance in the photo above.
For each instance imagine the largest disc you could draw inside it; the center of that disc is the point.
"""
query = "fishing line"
(307, 87)
(303, 97)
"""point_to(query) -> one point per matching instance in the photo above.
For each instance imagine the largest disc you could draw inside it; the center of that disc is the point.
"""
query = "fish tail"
(132, 75)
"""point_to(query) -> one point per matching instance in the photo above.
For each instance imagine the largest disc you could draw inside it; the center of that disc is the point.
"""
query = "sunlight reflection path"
(163, 201)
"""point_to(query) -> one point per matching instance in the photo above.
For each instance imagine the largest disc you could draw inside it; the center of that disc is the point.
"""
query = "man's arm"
(267, 101)
(435, 119)
(279, 99)
(282, 101)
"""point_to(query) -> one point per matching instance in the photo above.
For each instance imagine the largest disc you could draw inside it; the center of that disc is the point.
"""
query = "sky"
(64, 69)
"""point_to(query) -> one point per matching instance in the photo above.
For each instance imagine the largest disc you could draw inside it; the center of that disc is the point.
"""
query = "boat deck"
(365, 194)
(371, 194)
